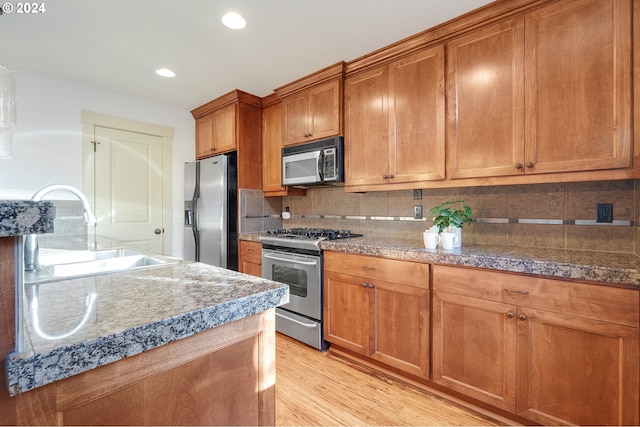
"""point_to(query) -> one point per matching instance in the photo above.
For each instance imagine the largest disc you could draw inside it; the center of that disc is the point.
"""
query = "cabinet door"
(324, 110)
(250, 261)
(346, 312)
(367, 127)
(216, 132)
(295, 126)
(578, 80)
(272, 148)
(416, 116)
(400, 327)
(474, 348)
(224, 129)
(573, 370)
(485, 113)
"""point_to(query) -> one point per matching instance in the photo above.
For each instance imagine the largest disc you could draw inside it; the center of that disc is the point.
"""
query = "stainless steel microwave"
(313, 163)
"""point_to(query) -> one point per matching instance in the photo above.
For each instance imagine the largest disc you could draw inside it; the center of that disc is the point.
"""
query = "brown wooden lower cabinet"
(224, 376)
(378, 308)
(552, 351)
(250, 261)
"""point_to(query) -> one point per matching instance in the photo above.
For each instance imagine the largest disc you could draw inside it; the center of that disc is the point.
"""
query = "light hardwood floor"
(318, 388)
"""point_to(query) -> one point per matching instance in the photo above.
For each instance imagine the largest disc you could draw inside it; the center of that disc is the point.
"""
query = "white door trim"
(90, 120)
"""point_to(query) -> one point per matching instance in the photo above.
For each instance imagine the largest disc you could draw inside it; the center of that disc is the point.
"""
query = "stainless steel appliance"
(313, 163)
(210, 211)
(294, 257)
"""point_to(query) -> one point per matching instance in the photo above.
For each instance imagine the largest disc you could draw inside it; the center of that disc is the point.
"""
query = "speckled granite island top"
(20, 217)
(76, 325)
(607, 267)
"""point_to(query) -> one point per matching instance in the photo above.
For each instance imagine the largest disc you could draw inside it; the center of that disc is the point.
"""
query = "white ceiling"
(118, 44)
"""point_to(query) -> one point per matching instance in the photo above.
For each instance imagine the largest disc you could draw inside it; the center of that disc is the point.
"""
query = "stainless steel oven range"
(294, 257)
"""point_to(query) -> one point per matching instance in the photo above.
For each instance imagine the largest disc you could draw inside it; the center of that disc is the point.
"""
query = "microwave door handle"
(321, 166)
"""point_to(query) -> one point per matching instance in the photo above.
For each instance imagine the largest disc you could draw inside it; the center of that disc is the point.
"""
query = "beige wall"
(499, 208)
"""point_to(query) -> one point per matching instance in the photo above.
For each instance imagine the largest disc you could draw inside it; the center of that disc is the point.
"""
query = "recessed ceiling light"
(234, 21)
(165, 72)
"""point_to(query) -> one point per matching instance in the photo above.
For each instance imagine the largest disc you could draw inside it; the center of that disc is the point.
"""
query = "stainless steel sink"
(58, 264)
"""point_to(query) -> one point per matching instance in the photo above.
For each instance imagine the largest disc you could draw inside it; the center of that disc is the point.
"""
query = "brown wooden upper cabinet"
(395, 122)
(545, 92)
(312, 106)
(221, 122)
(232, 122)
(272, 150)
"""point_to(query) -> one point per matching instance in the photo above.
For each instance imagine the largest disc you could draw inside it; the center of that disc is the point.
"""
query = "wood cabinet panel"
(312, 114)
(576, 345)
(485, 115)
(367, 127)
(400, 327)
(395, 125)
(250, 261)
(416, 116)
(546, 92)
(216, 132)
(474, 348)
(187, 395)
(615, 305)
(272, 148)
(389, 270)
(370, 310)
(575, 370)
(232, 122)
(578, 86)
(346, 312)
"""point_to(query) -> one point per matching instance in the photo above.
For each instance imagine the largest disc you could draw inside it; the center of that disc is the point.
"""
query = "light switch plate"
(417, 211)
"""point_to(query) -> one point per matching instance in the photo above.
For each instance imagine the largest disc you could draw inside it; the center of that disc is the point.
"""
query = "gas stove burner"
(313, 233)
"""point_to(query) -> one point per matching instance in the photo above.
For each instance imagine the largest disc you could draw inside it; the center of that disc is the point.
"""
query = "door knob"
(157, 231)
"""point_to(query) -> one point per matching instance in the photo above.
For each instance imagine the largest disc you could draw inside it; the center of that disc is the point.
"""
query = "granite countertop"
(72, 326)
(20, 217)
(621, 269)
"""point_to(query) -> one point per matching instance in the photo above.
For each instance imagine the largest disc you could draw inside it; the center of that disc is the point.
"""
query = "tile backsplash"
(559, 215)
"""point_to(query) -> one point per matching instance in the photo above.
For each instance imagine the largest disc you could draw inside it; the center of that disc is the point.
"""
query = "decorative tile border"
(619, 223)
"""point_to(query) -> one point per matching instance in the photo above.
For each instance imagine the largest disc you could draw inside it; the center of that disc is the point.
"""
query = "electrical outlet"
(604, 212)
(417, 194)
(417, 211)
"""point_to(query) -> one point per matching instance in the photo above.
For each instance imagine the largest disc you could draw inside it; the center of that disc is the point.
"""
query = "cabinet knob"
(212, 149)
(371, 285)
(529, 164)
(364, 285)
(510, 315)
(391, 176)
(384, 176)
(518, 165)
(522, 317)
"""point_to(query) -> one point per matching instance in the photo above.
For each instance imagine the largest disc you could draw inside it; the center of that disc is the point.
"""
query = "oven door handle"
(306, 325)
(275, 258)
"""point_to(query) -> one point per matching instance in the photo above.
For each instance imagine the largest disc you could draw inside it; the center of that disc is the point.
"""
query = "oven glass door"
(302, 273)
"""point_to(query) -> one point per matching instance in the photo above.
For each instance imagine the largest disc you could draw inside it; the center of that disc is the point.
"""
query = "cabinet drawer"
(389, 270)
(250, 249)
(604, 303)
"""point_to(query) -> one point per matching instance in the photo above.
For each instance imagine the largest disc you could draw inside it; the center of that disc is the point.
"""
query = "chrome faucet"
(31, 241)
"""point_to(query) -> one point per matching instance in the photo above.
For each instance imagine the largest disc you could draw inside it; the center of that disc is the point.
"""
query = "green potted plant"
(450, 217)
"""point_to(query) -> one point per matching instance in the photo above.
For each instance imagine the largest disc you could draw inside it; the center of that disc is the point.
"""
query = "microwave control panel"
(329, 164)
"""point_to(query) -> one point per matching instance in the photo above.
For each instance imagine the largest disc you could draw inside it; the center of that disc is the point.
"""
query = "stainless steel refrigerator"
(210, 211)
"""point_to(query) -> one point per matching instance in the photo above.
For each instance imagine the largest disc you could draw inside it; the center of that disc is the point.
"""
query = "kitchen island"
(185, 343)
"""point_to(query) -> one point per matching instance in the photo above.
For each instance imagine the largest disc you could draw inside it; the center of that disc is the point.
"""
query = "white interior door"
(128, 188)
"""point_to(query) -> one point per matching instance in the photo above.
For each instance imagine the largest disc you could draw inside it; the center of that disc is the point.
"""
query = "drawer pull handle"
(516, 291)
(510, 315)
(366, 267)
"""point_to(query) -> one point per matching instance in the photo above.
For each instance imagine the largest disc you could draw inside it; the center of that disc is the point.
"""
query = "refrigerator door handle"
(194, 203)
